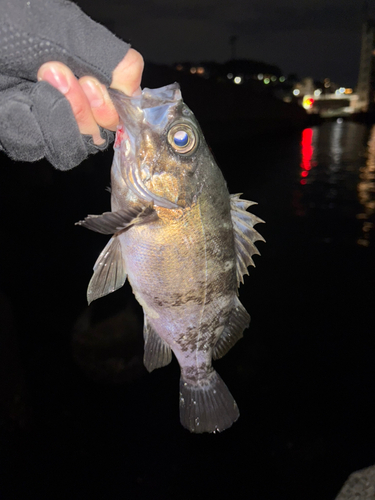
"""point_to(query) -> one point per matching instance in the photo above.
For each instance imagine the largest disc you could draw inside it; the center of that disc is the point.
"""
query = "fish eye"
(183, 138)
(180, 138)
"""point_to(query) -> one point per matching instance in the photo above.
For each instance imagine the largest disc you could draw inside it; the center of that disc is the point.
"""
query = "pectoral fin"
(244, 234)
(109, 271)
(238, 321)
(157, 351)
(120, 221)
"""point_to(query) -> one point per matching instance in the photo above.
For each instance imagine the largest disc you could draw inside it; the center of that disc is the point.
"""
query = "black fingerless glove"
(36, 120)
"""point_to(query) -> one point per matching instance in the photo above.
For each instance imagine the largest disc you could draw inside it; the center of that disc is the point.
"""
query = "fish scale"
(183, 243)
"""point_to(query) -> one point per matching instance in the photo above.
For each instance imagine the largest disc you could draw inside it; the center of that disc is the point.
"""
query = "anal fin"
(157, 352)
(109, 271)
(233, 331)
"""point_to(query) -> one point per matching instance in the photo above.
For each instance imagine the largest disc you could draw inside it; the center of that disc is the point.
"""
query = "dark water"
(81, 418)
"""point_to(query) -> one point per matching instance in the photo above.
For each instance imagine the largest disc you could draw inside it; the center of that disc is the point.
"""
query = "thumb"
(127, 75)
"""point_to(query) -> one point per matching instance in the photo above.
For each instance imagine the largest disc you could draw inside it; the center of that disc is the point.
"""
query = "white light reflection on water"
(366, 192)
(335, 163)
(337, 177)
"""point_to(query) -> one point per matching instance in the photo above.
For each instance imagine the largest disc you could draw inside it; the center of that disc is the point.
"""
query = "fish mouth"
(134, 112)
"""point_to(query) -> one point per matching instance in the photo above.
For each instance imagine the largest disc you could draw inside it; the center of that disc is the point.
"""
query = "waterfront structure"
(366, 78)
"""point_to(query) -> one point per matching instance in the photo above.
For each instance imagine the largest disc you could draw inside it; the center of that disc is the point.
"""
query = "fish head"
(158, 147)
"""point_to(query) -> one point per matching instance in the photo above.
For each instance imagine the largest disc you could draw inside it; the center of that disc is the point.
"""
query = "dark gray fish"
(183, 242)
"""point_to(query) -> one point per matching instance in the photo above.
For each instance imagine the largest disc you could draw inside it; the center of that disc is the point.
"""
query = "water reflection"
(366, 192)
(307, 152)
(337, 175)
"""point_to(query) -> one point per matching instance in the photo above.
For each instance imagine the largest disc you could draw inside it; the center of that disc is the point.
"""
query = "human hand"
(89, 99)
(37, 120)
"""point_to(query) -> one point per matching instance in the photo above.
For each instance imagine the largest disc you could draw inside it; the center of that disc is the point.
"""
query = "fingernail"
(93, 93)
(56, 78)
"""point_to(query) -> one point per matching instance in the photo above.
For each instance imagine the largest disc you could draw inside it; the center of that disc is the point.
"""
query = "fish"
(184, 244)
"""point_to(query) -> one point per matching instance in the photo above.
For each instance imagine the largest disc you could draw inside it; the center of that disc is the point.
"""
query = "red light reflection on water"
(307, 152)
(307, 163)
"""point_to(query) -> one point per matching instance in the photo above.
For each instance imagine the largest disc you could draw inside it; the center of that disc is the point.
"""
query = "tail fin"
(207, 407)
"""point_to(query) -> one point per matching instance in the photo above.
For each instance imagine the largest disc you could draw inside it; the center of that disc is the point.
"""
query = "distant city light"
(273, 78)
(237, 80)
(200, 70)
(282, 79)
(179, 67)
(296, 92)
(342, 90)
(337, 92)
(260, 76)
(317, 92)
(348, 91)
(230, 76)
(266, 81)
(307, 102)
(193, 70)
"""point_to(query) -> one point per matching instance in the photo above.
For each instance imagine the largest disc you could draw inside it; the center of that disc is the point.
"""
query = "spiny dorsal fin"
(233, 331)
(109, 271)
(157, 351)
(115, 222)
(244, 234)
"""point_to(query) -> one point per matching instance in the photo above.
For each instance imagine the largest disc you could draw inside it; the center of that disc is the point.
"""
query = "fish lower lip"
(165, 203)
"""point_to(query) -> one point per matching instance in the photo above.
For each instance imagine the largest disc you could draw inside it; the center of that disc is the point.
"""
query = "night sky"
(310, 38)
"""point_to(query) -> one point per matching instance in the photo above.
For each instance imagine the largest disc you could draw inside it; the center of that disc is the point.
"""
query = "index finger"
(127, 75)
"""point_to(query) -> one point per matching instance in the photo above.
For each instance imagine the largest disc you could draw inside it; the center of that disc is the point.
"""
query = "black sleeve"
(36, 120)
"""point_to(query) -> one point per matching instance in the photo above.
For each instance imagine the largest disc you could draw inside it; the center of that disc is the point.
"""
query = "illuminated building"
(366, 78)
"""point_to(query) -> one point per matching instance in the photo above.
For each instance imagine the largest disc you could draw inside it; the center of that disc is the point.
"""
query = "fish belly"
(184, 278)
